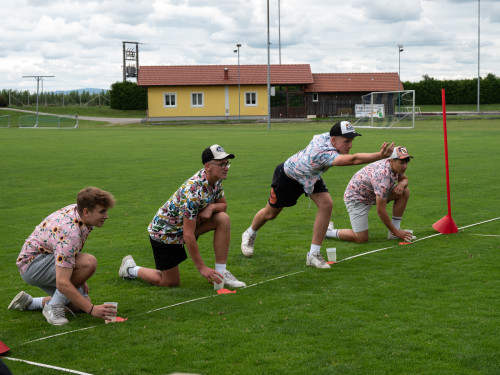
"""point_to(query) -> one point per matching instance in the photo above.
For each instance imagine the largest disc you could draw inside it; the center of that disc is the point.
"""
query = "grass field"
(427, 308)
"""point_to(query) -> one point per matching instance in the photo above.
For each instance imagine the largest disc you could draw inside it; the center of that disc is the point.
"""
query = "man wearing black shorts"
(301, 173)
(197, 207)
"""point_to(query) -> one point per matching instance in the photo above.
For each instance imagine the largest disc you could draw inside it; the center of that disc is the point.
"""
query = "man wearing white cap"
(375, 184)
(301, 173)
(197, 207)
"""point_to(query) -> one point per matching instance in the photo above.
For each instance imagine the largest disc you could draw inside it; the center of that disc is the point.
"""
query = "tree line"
(127, 95)
(462, 91)
(20, 98)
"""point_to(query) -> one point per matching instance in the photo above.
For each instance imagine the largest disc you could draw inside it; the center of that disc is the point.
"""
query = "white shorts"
(358, 214)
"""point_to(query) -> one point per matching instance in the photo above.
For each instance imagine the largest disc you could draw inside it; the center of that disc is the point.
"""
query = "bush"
(464, 91)
(127, 95)
(4, 102)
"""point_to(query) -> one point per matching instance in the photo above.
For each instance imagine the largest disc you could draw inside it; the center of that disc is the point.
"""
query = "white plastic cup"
(220, 285)
(331, 254)
(111, 318)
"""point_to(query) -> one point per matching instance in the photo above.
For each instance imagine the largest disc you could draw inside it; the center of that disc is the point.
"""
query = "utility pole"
(38, 79)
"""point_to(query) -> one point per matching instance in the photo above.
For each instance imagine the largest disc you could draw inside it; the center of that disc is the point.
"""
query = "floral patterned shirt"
(306, 166)
(375, 180)
(192, 197)
(62, 233)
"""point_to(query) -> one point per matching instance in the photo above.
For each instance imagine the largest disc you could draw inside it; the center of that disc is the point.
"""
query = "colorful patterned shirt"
(375, 180)
(62, 233)
(306, 166)
(192, 197)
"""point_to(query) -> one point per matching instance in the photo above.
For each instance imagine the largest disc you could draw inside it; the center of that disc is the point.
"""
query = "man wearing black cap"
(197, 207)
(301, 173)
(377, 184)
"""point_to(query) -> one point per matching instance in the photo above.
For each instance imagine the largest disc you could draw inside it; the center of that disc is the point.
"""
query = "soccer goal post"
(48, 121)
(5, 121)
(386, 109)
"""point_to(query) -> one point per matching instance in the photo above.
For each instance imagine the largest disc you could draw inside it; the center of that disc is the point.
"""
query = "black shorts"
(285, 190)
(167, 256)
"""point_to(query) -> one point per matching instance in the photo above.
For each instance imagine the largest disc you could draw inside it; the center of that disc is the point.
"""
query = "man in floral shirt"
(197, 207)
(301, 173)
(375, 184)
(51, 259)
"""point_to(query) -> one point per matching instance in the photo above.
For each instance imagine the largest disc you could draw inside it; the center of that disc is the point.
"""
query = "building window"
(169, 100)
(251, 99)
(315, 97)
(196, 99)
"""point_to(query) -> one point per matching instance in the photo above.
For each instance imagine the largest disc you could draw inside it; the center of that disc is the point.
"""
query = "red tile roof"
(358, 82)
(214, 75)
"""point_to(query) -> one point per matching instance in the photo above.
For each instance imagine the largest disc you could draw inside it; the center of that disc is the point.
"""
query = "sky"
(80, 42)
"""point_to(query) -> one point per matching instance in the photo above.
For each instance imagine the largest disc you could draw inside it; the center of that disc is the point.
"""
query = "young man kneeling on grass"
(375, 184)
(51, 259)
(197, 207)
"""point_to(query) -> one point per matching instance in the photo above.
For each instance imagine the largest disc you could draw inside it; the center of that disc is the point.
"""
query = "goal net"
(386, 109)
(5, 121)
(49, 121)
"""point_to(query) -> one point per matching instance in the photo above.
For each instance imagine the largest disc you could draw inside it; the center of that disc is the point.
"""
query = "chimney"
(226, 73)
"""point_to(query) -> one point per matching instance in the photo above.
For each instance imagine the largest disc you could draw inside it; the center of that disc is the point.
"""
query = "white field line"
(46, 366)
(214, 295)
(420, 239)
(265, 281)
(59, 334)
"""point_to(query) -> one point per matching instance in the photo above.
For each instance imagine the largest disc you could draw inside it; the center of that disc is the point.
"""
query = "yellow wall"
(214, 101)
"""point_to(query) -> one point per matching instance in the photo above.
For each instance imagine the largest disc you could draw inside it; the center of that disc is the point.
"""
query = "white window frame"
(169, 94)
(315, 98)
(197, 105)
(252, 94)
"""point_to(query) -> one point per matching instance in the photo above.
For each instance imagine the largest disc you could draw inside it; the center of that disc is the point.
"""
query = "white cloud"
(80, 42)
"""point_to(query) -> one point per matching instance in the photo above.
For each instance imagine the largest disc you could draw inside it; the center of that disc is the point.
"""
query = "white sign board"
(369, 110)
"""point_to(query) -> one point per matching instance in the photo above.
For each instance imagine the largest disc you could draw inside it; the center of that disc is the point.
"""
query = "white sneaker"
(127, 262)
(232, 281)
(392, 236)
(21, 301)
(330, 226)
(54, 314)
(247, 241)
(316, 260)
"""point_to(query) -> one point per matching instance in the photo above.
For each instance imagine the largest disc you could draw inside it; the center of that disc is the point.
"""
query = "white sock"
(314, 249)
(36, 304)
(58, 297)
(335, 232)
(396, 221)
(251, 232)
(133, 271)
(220, 267)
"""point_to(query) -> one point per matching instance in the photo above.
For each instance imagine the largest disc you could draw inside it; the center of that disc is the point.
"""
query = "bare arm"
(384, 216)
(64, 285)
(220, 205)
(189, 229)
(363, 158)
(402, 184)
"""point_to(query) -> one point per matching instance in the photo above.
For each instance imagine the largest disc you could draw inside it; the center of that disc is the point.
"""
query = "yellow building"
(215, 92)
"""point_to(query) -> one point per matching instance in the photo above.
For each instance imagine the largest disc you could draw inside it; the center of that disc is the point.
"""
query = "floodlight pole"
(239, 98)
(268, 73)
(400, 49)
(478, 49)
(38, 78)
(279, 29)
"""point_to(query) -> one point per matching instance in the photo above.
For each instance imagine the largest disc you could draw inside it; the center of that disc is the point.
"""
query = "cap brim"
(351, 135)
(224, 156)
